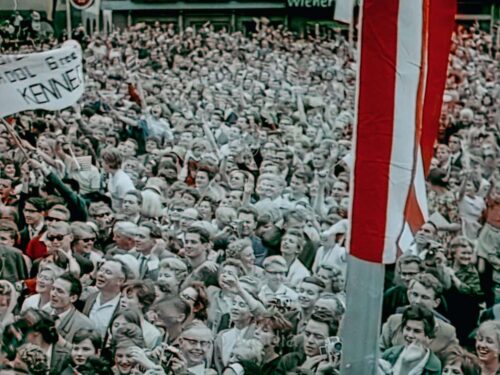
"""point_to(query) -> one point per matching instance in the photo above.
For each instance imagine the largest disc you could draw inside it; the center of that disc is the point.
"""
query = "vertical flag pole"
(68, 18)
(398, 99)
(361, 324)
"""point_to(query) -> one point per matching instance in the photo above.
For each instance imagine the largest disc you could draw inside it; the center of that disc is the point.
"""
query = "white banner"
(343, 11)
(50, 80)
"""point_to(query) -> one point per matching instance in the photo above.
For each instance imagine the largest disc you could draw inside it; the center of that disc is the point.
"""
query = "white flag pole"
(361, 326)
(68, 18)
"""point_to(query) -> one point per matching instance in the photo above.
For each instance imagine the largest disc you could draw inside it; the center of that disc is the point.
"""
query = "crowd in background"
(189, 214)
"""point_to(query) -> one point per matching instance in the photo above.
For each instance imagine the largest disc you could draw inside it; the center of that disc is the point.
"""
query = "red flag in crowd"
(404, 47)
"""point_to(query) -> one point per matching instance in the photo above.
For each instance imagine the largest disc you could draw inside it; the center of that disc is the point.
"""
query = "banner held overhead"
(49, 80)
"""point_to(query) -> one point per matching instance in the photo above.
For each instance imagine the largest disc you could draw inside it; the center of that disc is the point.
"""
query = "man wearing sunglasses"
(58, 240)
(37, 247)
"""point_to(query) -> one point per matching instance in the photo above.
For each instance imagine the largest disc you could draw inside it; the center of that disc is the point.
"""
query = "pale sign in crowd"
(189, 214)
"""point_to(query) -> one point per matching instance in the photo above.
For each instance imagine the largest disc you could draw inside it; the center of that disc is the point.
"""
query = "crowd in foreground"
(189, 214)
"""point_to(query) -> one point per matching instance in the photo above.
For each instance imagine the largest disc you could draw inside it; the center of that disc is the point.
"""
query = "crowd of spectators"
(189, 214)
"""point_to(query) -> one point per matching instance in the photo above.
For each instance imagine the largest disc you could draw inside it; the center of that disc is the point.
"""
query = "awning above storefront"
(123, 5)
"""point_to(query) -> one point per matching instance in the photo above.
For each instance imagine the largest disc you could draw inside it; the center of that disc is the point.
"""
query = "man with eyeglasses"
(275, 269)
(33, 212)
(330, 303)
(195, 343)
(407, 268)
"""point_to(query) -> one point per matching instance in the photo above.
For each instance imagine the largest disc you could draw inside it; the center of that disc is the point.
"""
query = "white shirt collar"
(64, 313)
(112, 302)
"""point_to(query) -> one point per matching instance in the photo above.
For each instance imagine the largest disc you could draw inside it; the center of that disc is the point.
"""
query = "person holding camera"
(190, 355)
(275, 269)
(425, 235)
(313, 356)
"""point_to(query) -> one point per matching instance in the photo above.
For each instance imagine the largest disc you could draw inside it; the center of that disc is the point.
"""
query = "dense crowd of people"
(189, 214)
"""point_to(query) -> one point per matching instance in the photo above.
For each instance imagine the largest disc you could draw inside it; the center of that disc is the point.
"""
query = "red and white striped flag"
(403, 58)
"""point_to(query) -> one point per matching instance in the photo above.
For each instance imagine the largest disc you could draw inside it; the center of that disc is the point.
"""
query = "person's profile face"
(315, 334)
(129, 300)
(265, 334)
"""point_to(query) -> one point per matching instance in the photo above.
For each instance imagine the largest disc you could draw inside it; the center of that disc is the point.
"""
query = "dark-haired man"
(316, 331)
(34, 212)
(424, 290)
(64, 293)
(196, 250)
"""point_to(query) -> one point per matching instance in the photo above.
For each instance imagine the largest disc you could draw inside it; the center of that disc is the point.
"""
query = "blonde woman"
(242, 250)
(488, 347)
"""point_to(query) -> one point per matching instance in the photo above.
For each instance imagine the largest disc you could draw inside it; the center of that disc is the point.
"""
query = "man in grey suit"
(12, 264)
(145, 242)
(65, 291)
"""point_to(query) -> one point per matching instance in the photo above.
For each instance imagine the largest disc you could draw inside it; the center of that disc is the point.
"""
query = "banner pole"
(361, 325)
(68, 18)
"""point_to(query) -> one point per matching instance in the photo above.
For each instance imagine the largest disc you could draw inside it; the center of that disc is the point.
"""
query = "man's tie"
(143, 267)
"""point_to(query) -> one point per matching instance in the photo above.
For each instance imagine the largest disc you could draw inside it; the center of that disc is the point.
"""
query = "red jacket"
(36, 248)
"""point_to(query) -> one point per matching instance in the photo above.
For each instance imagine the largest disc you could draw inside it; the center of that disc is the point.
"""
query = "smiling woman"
(125, 337)
(488, 347)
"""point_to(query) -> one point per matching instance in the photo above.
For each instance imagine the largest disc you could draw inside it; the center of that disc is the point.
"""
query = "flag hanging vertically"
(403, 57)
